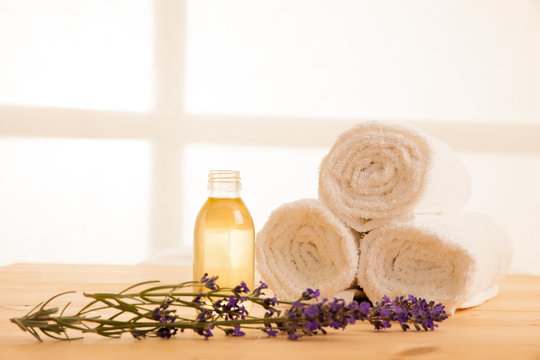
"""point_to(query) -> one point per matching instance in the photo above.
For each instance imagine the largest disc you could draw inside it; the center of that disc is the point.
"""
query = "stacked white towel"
(303, 245)
(456, 259)
(376, 172)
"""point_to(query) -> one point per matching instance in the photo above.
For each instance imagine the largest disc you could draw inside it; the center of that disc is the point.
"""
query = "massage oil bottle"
(224, 236)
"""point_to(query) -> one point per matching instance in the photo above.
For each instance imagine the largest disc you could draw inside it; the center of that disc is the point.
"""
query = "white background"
(112, 112)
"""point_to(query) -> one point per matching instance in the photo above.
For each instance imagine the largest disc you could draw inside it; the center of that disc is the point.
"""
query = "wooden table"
(507, 327)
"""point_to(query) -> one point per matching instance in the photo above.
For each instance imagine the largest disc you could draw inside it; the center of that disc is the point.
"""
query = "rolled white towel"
(456, 259)
(304, 245)
(378, 171)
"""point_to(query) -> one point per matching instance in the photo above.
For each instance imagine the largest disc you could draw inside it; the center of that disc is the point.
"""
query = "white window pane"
(270, 177)
(77, 54)
(390, 59)
(506, 187)
(74, 201)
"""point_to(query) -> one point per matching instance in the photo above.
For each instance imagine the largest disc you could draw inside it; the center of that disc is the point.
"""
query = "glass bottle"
(224, 236)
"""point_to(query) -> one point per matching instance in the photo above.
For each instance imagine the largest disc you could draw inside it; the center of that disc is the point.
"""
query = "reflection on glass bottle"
(224, 233)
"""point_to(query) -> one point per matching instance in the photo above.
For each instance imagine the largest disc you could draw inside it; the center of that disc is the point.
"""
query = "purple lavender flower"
(163, 315)
(235, 331)
(293, 335)
(364, 307)
(232, 302)
(138, 335)
(336, 324)
(242, 288)
(230, 309)
(271, 332)
(204, 317)
(166, 332)
(156, 314)
(337, 304)
(426, 314)
(296, 305)
(312, 311)
(258, 290)
(270, 302)
(385, 312)
(210, 282)
(309, 294)
(238, 332)
(379, 325)
(410, 309)
(205, 331)
(312, 325)
(197, 299)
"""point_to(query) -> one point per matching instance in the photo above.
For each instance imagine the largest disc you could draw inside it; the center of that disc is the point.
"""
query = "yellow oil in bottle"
(224, 234)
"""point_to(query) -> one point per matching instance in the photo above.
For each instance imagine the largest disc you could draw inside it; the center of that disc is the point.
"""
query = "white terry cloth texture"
(304, 245)
(379, 171)
(456, 259)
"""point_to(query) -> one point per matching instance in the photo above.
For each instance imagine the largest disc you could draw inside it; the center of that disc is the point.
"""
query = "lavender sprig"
(153, 312)
(311, 319)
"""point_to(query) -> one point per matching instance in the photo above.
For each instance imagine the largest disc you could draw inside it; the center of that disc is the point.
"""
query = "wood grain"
(507, 327)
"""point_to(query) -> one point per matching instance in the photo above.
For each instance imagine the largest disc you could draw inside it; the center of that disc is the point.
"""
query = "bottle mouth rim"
(223, 175)
(231, 172)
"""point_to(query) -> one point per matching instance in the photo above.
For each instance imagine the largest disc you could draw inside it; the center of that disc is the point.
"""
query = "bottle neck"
(224, 184)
